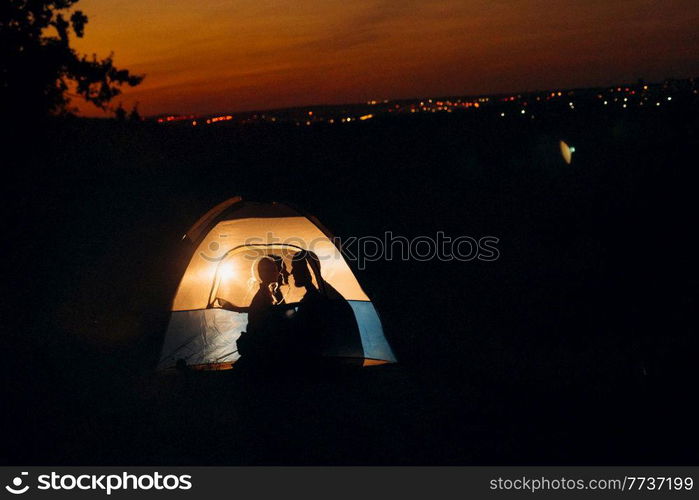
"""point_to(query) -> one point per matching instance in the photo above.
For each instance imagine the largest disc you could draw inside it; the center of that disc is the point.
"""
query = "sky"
(213, 56)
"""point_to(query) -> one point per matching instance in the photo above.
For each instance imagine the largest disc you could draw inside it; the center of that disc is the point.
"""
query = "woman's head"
(267, 270)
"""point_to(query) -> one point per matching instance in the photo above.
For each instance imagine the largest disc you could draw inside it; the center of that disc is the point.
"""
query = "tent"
(212, 304)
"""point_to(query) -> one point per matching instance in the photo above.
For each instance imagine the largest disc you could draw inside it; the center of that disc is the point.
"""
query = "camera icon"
(16, 487)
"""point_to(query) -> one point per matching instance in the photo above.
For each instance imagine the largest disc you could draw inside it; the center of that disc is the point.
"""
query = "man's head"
(304, 265)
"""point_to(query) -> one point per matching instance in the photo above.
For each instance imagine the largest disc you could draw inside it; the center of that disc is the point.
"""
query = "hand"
(224, 303)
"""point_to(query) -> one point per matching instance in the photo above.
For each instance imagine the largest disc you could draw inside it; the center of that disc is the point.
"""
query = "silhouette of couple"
(279, 334)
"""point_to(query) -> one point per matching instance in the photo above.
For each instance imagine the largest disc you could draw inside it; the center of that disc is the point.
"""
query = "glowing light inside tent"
(566, 151)
(227, 271)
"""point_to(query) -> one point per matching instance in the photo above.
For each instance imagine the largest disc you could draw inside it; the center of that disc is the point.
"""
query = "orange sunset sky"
(210, 56)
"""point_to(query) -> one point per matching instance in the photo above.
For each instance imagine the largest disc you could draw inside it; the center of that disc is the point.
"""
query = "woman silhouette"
(262, 341)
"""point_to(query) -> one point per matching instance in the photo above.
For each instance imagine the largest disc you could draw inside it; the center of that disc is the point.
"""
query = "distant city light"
(174, 118)
(216, 119)
(510, 104)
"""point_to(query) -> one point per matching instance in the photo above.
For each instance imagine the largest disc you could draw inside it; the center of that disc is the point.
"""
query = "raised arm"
(228, 306)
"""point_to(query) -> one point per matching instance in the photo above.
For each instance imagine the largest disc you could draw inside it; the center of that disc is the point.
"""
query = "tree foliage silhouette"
(39, 71)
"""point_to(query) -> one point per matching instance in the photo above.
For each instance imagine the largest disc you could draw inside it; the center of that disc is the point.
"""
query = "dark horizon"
(433, 97)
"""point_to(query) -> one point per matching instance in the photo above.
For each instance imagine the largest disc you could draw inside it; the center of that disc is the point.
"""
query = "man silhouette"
(324, 322)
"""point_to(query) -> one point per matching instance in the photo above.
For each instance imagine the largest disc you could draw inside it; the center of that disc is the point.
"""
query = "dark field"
(577, 346)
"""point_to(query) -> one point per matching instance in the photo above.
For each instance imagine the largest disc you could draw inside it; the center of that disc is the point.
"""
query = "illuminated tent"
(226, 243)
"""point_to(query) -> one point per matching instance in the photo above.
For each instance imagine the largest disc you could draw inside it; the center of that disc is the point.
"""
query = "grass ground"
(576, 346)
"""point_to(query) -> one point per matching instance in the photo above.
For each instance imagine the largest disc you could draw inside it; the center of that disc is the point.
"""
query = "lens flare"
(566, 152)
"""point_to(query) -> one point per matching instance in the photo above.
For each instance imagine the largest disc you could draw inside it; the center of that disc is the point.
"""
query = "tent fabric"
(228, 241)
(374, 343)
(195, 287)
(208, 337)
(196, 230)
(202, 337)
